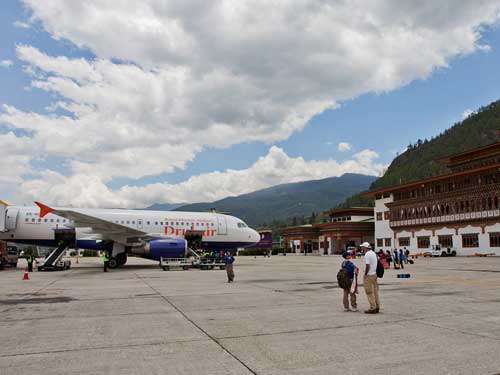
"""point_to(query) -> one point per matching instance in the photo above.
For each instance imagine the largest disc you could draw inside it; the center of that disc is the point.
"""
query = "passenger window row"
(39, 220)
(132, 222)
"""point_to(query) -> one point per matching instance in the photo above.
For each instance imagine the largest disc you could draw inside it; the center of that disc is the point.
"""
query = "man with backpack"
(347, 281)
(370, 282)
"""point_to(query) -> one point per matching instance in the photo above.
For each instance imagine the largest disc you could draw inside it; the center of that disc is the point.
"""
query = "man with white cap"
(370, 278)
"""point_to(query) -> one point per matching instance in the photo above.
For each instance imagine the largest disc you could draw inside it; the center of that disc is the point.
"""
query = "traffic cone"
(26, 276)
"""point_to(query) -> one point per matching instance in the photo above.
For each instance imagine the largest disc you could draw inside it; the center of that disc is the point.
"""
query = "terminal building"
(458, 210)
(346, 227)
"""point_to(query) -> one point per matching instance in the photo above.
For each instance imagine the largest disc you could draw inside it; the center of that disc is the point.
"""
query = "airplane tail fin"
(44, 209)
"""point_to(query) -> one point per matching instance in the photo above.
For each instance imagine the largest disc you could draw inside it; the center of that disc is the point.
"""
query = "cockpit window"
(242, 225)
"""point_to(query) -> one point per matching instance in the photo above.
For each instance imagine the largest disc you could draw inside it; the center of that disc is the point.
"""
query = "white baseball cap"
(366, 244)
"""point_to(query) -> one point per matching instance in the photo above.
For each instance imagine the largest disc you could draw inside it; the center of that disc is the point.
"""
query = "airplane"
(149, 234)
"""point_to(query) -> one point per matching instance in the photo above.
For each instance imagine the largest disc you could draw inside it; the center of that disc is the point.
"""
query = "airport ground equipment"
(167, 264)
(211, 263)
(54, 262)
(12, 255)
(181, 262)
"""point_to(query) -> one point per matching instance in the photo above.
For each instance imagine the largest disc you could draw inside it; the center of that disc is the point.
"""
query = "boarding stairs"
(54, 262)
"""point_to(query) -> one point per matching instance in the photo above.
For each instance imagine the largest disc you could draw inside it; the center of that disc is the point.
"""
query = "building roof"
(353, 211)
(470, 155)
(373, 193)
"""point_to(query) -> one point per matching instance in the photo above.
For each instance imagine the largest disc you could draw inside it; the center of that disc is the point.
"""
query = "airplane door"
(222, 225)
(11, 218)
(139, 223)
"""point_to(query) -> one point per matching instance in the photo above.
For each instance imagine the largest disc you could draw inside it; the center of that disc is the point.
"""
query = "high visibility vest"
(105, 258)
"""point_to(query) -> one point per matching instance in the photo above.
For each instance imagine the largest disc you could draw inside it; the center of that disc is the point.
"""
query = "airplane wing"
(106, 228)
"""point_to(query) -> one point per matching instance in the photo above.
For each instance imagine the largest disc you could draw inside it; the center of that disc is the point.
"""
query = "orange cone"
(26, 276)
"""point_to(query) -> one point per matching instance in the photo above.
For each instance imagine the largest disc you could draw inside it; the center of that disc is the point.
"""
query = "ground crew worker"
(105, 259)
(30, 260)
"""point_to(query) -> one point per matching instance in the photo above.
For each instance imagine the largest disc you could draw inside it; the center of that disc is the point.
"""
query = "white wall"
(360, 218)
(382, 228)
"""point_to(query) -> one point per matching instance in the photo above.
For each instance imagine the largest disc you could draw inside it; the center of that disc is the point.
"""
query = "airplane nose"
(254, 236)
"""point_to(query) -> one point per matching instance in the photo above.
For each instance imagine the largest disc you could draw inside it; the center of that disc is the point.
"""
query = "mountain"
(419, 161)
(164, 206)
(282, 202)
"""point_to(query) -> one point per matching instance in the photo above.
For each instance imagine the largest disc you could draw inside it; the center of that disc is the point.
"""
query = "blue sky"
(383, 122)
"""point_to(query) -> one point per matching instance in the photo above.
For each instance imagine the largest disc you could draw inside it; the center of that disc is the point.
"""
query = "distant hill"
(419, 161)
(286, 201)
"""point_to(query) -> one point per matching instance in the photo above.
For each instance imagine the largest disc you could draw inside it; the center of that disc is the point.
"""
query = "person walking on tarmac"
(229, 260)
(30, 261)
(105, 260)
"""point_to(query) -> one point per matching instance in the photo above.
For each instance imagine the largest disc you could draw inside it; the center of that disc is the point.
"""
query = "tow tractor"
(8, 256)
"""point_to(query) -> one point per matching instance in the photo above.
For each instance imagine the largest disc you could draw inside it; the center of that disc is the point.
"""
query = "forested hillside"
(419, 161)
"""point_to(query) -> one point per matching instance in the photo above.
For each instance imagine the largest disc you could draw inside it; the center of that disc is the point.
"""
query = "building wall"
(483, 238)
(382, 229)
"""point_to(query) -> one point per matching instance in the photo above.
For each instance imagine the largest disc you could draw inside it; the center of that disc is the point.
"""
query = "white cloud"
(274, 168)
(344, 146)
(6, 63)
(173, 78)
(15, 158)
(21, 25)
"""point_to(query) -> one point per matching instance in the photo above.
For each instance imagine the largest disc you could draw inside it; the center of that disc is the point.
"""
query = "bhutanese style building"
(457, 210)
(346, 227)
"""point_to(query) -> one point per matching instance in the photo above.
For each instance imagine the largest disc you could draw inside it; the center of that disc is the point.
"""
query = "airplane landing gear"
(117, 261)
(121, 258)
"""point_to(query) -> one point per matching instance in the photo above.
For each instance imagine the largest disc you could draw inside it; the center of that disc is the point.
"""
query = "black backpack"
(343, 278)
(380, 269)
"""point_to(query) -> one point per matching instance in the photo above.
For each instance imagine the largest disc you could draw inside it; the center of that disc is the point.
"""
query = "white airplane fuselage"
(218, 231)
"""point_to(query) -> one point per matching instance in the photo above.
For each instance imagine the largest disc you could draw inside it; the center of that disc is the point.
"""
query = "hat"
(366, 244)
(345, 254)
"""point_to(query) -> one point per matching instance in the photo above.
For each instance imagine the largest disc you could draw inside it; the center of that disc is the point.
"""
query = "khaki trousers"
(346, 299)
(371, 290)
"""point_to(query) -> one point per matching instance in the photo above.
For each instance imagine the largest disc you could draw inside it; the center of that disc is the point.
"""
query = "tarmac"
(282, 315)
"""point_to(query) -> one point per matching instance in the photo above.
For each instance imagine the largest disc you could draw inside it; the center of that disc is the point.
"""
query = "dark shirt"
(229, 259)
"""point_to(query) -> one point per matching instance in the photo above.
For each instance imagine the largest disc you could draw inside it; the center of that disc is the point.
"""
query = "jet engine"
(163, 248)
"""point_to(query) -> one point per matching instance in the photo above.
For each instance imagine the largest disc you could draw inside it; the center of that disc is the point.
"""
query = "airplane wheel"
(113, 263)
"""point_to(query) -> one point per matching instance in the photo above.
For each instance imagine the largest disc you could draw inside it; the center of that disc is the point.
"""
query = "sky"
(113, 104)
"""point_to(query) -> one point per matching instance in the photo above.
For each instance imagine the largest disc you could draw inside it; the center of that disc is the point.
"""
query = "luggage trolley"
(211, 263)
(167, 263)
